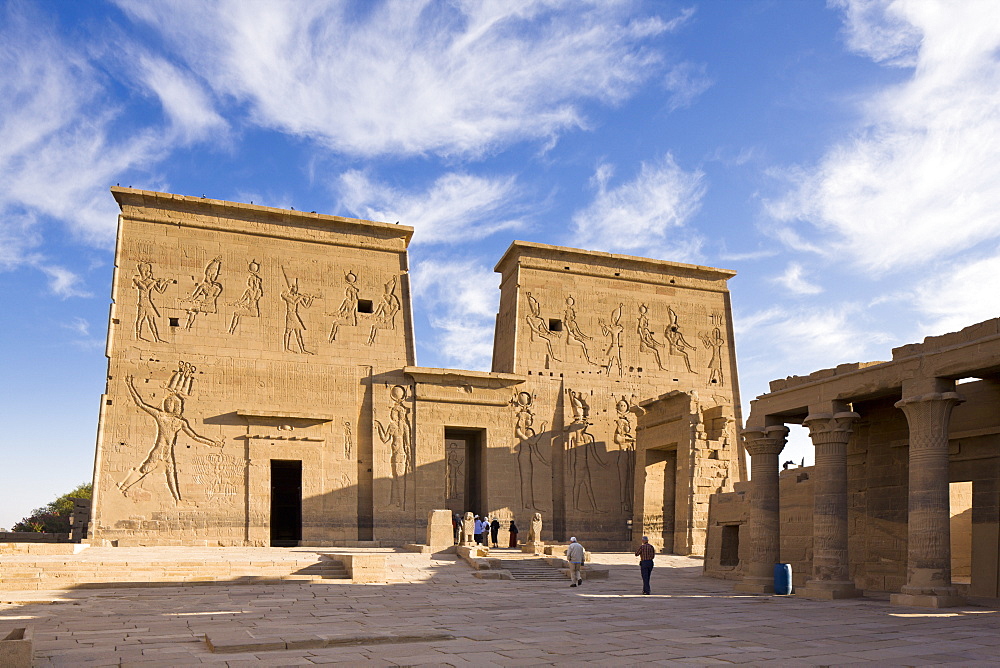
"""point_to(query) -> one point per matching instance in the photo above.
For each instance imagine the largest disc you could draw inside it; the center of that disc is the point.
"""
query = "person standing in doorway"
(646, 552)
(513, 534)
(494, 531)
(479, 531)
(575, 555)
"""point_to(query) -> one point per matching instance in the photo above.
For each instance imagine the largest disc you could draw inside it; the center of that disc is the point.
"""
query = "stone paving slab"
(689, 620)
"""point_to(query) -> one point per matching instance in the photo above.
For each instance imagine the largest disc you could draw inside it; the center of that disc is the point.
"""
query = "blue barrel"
(783, 579)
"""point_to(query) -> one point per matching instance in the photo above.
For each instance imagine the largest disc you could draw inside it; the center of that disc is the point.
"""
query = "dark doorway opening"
(286, 503)
(730, 555)
(473, 490)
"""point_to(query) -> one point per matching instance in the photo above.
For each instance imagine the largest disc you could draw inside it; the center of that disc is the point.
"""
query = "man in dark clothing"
(494, 531)
(646, 552)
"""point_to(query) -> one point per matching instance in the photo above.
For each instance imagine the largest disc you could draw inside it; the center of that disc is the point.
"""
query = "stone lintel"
(289, 415)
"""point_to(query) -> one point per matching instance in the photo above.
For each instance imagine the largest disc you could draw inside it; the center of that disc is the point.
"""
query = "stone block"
(16, 648)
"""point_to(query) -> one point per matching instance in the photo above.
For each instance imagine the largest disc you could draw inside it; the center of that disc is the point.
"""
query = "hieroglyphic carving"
(205, 296)
(147, 313)
(348, 312)
(455, 471)
(527, 447)
(249, 303)
(582, 448)
(170, 422)
(573, 331)
(219, 474)
(537, 326)
(348, 439)
(613, 331)
(397, 434)
(714, 342)
(293, 321)
(385, 313)
(648, 342)
(624, 438)
(676, 345)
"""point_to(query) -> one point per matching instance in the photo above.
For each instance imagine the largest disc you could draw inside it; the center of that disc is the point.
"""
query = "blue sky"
(842, 157)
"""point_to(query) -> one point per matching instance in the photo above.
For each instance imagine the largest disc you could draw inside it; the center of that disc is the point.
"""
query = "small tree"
(54, 517)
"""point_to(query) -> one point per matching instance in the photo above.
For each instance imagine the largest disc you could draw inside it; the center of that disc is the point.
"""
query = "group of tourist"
(487, 531)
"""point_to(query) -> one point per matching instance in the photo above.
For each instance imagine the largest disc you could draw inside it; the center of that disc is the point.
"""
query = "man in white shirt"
(574, 555)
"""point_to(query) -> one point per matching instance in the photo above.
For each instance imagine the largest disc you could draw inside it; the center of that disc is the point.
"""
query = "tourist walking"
(575, 554)
(513, 534)
(495, 531)
(479, 531)
(646, 552)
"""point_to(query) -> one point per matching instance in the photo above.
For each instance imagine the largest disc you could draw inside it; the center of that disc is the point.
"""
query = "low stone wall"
(33, 537)
(362, 568)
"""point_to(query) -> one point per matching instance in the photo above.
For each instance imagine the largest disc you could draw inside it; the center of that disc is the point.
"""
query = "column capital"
(765, 440)
(929, 414)
(953, 397)
(830, 427)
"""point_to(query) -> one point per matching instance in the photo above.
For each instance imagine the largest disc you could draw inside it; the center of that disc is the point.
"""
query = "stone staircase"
(528, 567)
(125, 567)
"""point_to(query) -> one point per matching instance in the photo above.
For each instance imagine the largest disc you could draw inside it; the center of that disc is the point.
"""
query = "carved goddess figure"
(348, 312)
(396, 433)
(647, 342)
(614, 333)
(385, 312)
(537, 326)
(676, 345)
(583, 448)
(170, 423)
(293, 321)
(527, 447)
(624, 438)
(249, 304)
(205, 296)
(535, 530)
(147, 313)
(453, 465)
(714, 342)
(573, 331)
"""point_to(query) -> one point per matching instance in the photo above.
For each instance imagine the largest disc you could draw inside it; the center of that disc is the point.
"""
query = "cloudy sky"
(842, 157)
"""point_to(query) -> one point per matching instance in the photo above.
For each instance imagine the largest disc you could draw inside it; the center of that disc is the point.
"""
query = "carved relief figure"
(624, 438)
(456, 479)
(219, 474)
(385, 312)
(527, 447)
(581, 409)
(293, 321)
(573, 331)
(676, 345)
(348, 312)
(614, 333)
(396, 433)
(647, 342)
(205, 296)
(582, 449)
(537, 326)
(249, 303)
(147, 313)
(348, 439)
(170, 422)
(714, 342)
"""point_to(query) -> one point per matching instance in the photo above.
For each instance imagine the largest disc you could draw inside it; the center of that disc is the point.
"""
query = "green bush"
(54, 517)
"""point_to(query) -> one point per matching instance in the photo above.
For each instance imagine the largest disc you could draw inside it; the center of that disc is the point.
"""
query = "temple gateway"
(262, 389)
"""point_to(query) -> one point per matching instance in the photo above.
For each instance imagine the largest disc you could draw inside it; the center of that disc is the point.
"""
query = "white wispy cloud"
(455, 208)
(918, 180)
(63, 282)
(460, 299)
(185, 102)
(409, 77)
(686, 81)
(57, 149)
(965, 293)
(646, 215)
(794, 280)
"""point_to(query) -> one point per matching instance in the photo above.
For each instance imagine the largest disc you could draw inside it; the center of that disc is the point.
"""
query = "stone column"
(764, 444)
(928, 572)
(831, 578)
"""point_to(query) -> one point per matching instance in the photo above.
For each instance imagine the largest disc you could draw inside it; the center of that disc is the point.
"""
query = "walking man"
(645, 553)
(574, 554)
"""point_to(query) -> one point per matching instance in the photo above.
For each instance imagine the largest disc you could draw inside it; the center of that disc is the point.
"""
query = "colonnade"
(927, 405)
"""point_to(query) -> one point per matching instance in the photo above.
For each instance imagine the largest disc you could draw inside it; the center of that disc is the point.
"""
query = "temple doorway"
(465, 484)
(286, 503)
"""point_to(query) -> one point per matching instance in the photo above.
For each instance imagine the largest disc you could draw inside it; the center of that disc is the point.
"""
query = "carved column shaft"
(830, 433)
(764, 445)
(929, 520)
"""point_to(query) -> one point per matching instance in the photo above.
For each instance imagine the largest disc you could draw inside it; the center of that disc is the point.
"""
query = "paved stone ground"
(689, 620)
